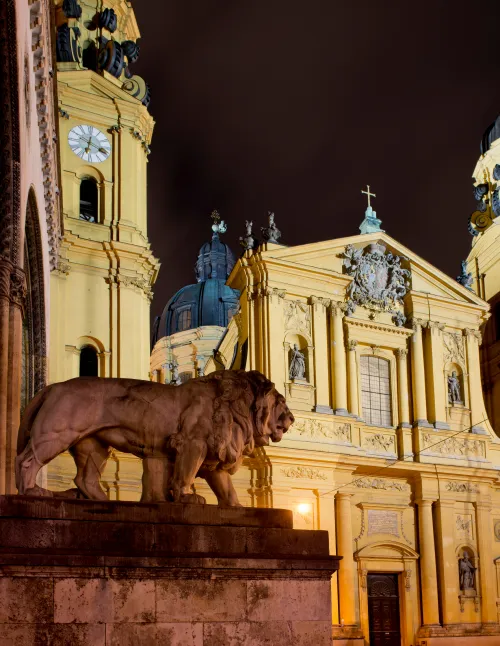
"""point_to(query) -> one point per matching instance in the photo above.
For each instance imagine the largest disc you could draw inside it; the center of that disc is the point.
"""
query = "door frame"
(390, 557)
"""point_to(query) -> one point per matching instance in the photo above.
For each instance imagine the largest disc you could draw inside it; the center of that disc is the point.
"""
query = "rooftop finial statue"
(271, 233)
(248, 241)
(465, 277)
(219, 226)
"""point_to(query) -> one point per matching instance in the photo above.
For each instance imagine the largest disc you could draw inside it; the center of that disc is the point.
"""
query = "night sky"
(295, 106)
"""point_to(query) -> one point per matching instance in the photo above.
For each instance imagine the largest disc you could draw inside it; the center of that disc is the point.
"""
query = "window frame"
(390, 394)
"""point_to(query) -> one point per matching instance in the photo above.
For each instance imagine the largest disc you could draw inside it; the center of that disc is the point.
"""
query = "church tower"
(101, 289)
(482, 270)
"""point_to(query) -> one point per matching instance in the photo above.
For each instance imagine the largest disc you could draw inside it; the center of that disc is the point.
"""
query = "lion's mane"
(241, 410)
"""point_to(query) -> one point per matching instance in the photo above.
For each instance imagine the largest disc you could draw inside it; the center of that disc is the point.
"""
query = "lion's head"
(248, 411)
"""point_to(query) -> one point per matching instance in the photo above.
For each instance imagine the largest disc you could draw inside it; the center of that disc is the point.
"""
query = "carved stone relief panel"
(379, 443)
(454, 352)
(464, 526)
(297, 316)
(462, 487)
(316, 429)
(309, 473)
(381, 483)
(454, 447)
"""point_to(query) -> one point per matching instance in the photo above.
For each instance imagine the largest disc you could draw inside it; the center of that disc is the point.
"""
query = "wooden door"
(383, 610)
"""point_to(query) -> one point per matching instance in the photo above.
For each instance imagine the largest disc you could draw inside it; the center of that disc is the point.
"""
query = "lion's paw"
(39, 491)
(192, 499)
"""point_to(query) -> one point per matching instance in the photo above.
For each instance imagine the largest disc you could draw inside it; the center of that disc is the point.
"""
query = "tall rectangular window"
(184, 320)
(376, 391)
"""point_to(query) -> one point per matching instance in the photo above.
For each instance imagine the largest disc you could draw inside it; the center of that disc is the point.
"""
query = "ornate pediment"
(379, 282)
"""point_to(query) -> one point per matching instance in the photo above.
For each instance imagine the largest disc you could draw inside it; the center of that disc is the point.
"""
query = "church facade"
(392, 450)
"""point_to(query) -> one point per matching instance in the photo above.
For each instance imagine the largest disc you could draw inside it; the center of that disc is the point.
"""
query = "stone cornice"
(381, 327)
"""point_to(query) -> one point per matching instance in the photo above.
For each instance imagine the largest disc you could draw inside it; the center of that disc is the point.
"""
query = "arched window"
(88, 362)
(376, 391)
(184, 320)
(89, 200)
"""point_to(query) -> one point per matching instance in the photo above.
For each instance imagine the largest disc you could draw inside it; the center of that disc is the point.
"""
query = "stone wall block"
(307, 633)
(195, 600)
(83, 601)
(31, 534)
(76, 635)
(133, 601)
(302, 542)
(117, 537)
(293, 600)
(179, 634)
(201, 539)
(26, 600)
(266, 633)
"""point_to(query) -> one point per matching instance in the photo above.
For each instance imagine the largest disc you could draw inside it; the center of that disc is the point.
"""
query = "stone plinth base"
(347, 636)
(79, 572)
(459, 635)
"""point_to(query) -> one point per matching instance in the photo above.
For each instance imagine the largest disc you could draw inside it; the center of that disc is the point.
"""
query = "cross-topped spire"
(219, 226)
(368, 194)
(371, 223)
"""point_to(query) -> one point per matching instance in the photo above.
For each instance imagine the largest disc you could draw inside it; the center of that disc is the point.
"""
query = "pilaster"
(486, 565)
(418, 375)
(477, 408)
(448, 572)
(428, 572)
(321, 354)
(346, 572)
(436, 393)
(339, 368)
(353, 377)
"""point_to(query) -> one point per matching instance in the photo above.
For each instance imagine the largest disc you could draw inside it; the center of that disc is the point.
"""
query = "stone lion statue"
(203, 428)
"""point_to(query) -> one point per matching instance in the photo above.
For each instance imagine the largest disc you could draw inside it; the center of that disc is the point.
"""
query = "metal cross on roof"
(216, 217)
(368, 194)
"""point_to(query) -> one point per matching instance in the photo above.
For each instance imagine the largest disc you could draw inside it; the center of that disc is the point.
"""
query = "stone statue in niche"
(454, 395)
(297, 365)
(467, 573)
(202, 428)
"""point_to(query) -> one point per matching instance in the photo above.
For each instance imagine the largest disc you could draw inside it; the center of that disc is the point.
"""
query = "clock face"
(89, 143)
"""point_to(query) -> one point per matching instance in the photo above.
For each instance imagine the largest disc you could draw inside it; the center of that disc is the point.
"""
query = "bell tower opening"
(89, 195)
(88, 362)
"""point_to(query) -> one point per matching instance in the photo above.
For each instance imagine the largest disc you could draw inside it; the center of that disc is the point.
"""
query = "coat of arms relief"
(379, 282)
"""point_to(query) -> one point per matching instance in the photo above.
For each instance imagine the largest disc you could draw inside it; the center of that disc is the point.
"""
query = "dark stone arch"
(34, 353)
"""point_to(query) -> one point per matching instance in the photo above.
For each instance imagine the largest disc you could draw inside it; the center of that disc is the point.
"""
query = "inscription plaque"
(382, 522)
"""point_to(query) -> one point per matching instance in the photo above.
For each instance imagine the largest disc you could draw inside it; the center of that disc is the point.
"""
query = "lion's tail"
(29, 416)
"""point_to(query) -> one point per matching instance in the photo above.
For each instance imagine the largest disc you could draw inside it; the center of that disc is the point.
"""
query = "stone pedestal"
(104, 573)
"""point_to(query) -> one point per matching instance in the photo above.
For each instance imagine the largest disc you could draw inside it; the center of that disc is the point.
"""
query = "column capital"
(351, 344)
(401, 353)
(319, 301)
(343, 495)
(417, 324)
(435, 326)
(425, 502)
(337, 308)
(470, 334)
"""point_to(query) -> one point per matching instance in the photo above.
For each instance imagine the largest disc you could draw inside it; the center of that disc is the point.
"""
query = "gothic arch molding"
(34, 352)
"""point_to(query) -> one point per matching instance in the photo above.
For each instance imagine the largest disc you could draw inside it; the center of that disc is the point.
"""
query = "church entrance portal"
(383, 610)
